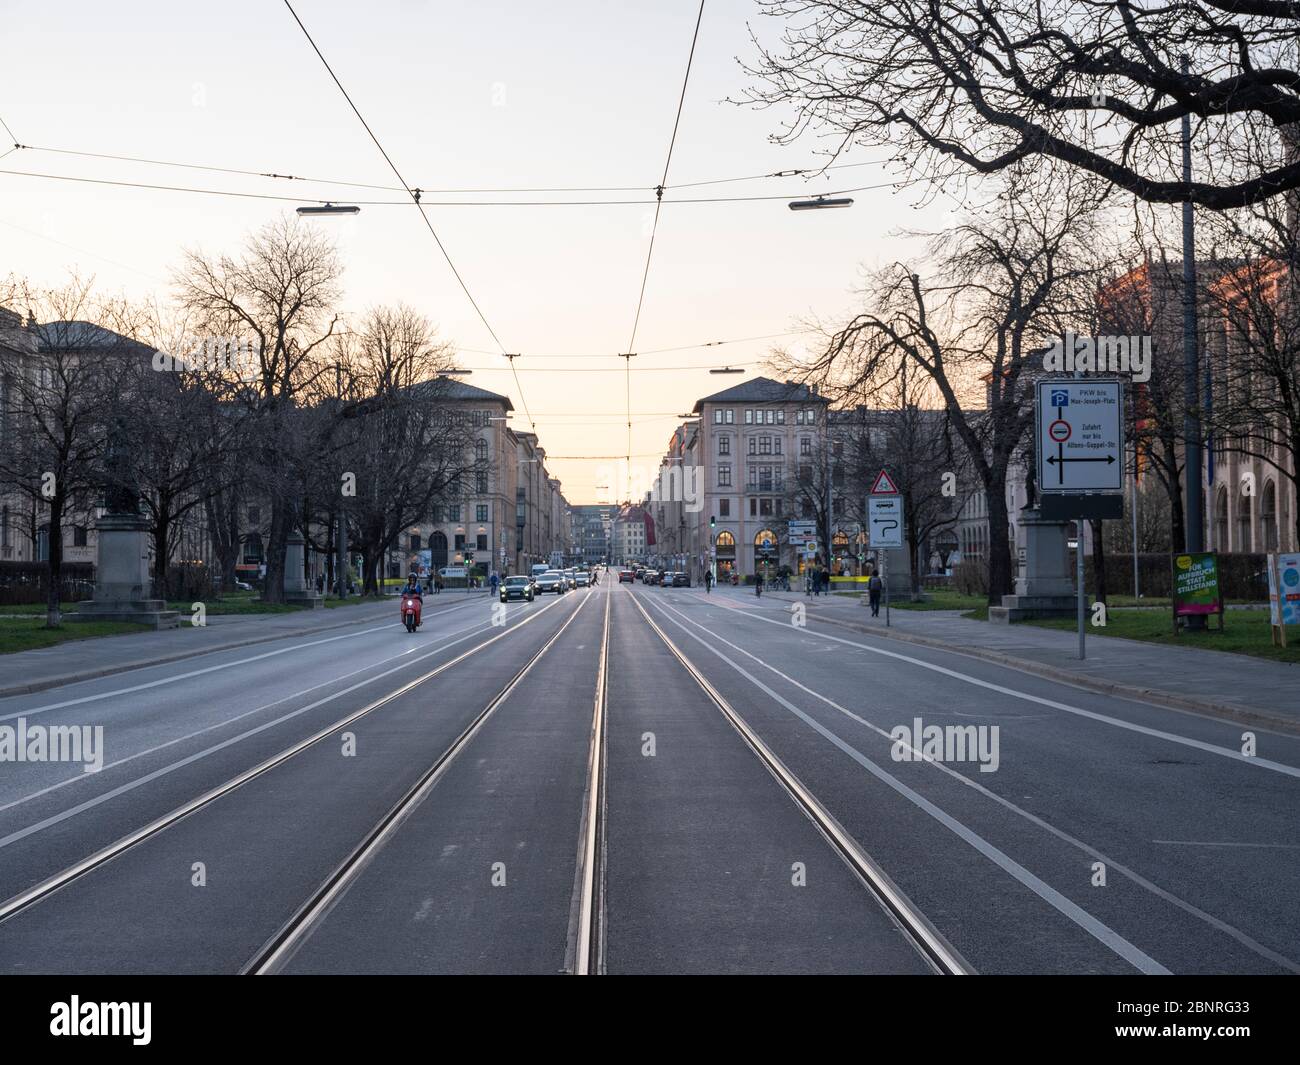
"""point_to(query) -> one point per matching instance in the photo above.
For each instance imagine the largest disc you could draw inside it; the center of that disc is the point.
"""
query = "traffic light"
(713, 522)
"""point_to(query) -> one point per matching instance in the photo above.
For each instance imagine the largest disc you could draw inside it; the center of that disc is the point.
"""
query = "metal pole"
(1137, 594)
(341, 546)
(1078, 556)
(1191, 378)
(884, 576)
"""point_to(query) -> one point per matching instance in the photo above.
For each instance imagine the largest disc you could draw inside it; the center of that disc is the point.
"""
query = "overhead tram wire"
(423, 202)
(415, 198)
(652, 351)
(10, 132)
(630, 353)
(276, 175)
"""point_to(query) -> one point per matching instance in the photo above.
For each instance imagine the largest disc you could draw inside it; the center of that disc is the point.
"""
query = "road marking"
(1210, 843)
(97, 800)
(1136, 877)
(1106, 719)
(238, 717)
(199, 672)
(929, 942)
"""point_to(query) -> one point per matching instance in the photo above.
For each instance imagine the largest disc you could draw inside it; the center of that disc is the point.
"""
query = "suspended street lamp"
(330, 209)
(820, 202)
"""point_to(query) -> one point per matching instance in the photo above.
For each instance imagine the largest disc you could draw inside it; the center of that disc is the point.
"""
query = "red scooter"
(411, 611)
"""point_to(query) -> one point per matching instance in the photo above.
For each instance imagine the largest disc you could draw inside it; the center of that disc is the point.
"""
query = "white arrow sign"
(1080, 436)
(885, 520)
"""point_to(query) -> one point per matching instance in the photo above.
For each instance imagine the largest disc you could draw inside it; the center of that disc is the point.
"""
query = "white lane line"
(228, 721)
(1105, 719)
(195, 672)
(1212, 843)
(1103, 933)
(1111, 863)
(131, 785)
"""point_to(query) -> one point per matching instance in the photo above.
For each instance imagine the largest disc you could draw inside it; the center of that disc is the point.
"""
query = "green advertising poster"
(1196, 584)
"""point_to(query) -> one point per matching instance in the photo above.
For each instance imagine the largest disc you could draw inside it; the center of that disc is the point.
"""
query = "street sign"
(1080, 436)
(802, 530)
(885, 521)
(884, 486)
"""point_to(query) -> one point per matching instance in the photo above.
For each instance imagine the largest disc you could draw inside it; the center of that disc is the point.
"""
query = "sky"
(507, 95)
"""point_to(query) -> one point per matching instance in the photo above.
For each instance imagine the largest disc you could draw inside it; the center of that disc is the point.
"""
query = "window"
(460, 542)
(481, 482)
(753, 445)
(724, 508)
(805, 445)
(749, 417)
(415, 542)
(453, 512)
(771, 417)
(724, 445)
(78, 536)
(480, 450)
(254, 515)
(730, 417)
(780, 417)
(765, 507)
(481, 512)
(753, 507)
(765, 445)
(724, 474)
(482, 542)
(717, 416)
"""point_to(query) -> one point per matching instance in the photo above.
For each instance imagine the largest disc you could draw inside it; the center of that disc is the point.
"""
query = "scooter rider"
(413, 588)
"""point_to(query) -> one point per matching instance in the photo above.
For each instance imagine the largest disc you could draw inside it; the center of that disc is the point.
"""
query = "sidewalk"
(78, 660)
(1252, 691)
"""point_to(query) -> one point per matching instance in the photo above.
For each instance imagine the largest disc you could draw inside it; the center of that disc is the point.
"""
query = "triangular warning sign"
(884, 486)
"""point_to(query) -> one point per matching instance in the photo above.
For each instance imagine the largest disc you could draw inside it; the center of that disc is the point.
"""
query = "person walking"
(708, 582)
(758, 584)
(874, 587)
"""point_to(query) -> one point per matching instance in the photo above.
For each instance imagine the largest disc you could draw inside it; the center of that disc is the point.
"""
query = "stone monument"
(1044, 583)
(122, 579)
(297, 590)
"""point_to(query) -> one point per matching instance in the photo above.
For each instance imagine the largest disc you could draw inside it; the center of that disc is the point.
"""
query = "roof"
(450, 388)
(763, 390)
(83, 336)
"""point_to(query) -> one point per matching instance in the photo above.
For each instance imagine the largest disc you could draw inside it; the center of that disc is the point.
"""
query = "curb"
(145, 663)
(1170, 700)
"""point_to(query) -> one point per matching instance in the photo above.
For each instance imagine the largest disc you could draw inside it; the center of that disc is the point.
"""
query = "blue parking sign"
(1060, 397)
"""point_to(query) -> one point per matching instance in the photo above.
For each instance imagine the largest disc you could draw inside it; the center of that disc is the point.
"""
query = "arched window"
(767, 538)
(1243, 523)
(1268, 517)
(725, 545)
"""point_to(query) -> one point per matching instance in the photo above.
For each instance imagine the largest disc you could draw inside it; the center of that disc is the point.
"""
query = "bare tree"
(966, 87)
(1004, 281)
(57, 392)
(279, 295)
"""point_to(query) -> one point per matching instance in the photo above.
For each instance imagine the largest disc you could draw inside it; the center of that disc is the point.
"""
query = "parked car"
(626, 576)
(551, 581)
(681, 580)
(518, 587)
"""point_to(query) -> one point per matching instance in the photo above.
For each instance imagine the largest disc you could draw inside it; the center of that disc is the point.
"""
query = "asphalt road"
(368, 800)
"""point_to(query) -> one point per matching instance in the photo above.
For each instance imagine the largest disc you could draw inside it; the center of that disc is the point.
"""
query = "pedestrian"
(708, 582)
(758, 585)
(320, 584)
(874, 587)
(495, 580)
(437, 585)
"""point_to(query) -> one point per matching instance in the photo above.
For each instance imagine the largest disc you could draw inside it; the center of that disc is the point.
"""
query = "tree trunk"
(53, 608)
(277, 548)
(1001, 575)
(161, 554)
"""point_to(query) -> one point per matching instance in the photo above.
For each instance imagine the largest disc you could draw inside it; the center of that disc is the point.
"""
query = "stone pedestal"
(297, 591)
(122, 576)
(1044, 586)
